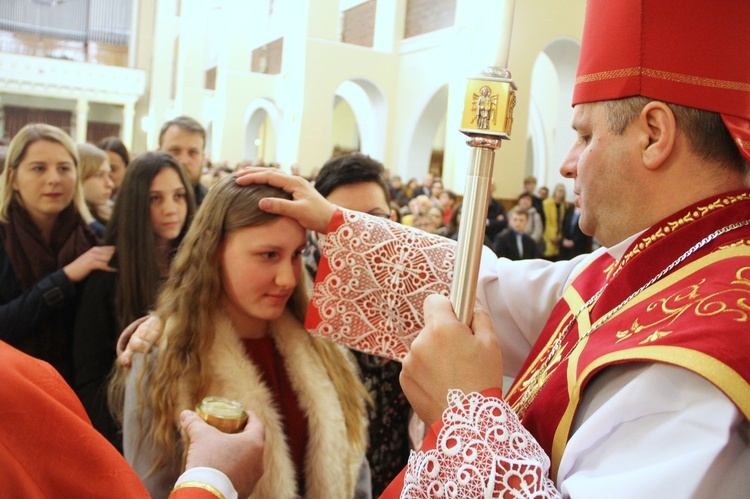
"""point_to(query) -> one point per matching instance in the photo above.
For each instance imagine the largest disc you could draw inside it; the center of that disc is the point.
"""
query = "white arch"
(419, 148)
(539, 146)
(370, 110)
(549, 129)
(255, 115)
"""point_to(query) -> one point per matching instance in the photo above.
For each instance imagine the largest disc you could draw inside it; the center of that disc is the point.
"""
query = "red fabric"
(690, 317)
(48, 447)
(267, 358)
(687, 52)
(191, 493)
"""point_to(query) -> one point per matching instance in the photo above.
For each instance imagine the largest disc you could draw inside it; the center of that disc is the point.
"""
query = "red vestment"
(48, 447)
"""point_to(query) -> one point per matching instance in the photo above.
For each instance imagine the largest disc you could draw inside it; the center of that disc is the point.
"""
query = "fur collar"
(331, 466)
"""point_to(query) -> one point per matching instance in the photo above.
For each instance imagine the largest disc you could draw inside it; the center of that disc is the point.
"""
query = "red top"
(263, 353)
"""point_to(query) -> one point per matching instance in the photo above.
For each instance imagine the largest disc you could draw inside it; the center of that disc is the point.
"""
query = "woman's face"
(45, 180)
(117, 166)
(97, 189)
(260, 268)
(168, 201)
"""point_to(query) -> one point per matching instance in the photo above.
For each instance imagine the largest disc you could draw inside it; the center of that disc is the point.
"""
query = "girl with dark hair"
(150, 218)
(231, 324)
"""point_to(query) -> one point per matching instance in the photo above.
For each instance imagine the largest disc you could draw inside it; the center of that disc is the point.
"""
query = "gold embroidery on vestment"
(671, 226)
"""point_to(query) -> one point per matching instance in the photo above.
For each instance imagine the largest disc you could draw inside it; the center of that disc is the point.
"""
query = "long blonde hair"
(17, 151)
(188, 312)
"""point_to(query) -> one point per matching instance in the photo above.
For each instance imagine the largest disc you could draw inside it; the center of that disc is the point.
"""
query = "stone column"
(82, 119)
(128, 116)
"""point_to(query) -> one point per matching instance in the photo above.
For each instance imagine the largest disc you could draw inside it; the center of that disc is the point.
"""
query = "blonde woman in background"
(97, 185)
(47, 246)
(554, 213)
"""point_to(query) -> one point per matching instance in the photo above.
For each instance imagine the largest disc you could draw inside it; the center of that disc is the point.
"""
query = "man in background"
(185, 139)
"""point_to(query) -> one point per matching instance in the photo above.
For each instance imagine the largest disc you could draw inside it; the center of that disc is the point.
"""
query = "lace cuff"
(373, 278)
(482, 450)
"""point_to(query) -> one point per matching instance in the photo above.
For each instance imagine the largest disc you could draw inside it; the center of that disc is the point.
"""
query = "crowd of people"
(367, 384)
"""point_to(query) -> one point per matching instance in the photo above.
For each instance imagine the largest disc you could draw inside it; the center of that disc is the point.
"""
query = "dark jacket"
(571, 230)
(200, 191)
(494, 226)
(23, 313)
(94, 339)
(505, 245)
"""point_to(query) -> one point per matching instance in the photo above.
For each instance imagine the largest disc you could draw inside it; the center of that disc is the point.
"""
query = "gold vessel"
(222, 413)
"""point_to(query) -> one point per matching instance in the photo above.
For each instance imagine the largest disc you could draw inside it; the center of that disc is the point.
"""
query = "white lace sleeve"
(373, 279)
(482, 451)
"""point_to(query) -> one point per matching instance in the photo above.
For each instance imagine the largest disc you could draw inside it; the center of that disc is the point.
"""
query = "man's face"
(518, 222)
(601, 162)
(187, 148)
(366, 197)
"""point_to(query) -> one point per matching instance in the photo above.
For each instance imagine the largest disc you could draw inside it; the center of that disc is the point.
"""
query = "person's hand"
(568, 243)
(308, 207)
(138, 337)
(96, 258)
(239, 456)
(446, 355)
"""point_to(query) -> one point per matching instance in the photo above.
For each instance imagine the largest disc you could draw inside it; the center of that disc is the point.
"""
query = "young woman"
(119, 159)
(149, 220)
(231, 314)
(47, 246)
(97, 186)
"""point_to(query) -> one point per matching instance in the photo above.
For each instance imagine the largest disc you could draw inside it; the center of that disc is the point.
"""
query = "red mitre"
(694, 53)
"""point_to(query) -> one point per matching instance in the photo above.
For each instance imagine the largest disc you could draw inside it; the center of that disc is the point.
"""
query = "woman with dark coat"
(47, 247)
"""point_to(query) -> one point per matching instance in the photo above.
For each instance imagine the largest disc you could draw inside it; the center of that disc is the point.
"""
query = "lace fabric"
(482, 451)
(380, 275)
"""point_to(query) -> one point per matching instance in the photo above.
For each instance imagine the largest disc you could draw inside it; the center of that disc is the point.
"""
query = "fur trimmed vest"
(331, 465)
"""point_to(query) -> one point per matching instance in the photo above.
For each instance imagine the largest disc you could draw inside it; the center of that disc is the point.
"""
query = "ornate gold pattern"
(664, 75)
(673, 225)
(488, 107)
(665, 311)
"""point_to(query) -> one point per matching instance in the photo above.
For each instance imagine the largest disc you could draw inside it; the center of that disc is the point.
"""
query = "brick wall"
(359, 24)
(267, 59)
(424, 16)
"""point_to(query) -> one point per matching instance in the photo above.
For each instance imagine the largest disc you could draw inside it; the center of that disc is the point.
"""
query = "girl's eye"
(153, 199)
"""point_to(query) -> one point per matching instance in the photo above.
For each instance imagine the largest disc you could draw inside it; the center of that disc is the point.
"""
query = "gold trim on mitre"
(664, 75)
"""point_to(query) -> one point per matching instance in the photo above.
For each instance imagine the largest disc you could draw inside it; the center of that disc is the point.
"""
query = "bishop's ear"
(659, 130)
